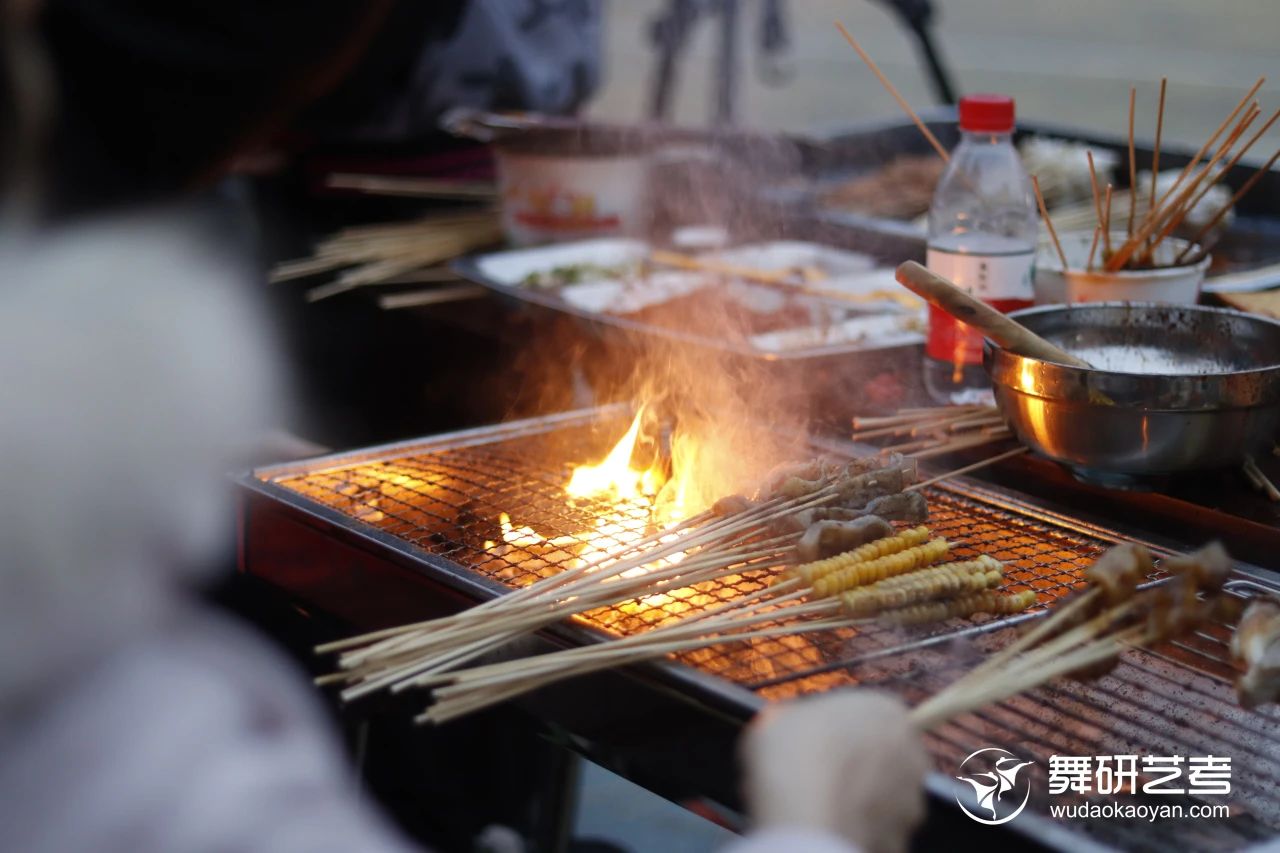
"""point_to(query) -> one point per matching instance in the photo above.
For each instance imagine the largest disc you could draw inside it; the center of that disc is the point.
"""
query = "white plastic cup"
(548, 198)
(1177, 285)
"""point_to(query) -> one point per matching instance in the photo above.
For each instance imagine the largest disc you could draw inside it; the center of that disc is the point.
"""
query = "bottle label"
(1001, 280)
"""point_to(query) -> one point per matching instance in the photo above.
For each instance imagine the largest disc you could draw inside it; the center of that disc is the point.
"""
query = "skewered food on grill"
(858, 491)
(1207, 569)
(904, 506)
(828, 538)
(857, 482)
(1256, 644)
(809, 572)
(860, 573)
(968, 605)
(1117, 573)
(731, 505)
(944, 581)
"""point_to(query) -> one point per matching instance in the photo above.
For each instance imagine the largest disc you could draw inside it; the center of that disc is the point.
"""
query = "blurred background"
(1069, 62)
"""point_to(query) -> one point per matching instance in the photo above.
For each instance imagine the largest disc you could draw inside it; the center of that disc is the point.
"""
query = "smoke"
(724, 419)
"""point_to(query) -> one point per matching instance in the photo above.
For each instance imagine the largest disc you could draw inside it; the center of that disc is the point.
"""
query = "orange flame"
(614, 478)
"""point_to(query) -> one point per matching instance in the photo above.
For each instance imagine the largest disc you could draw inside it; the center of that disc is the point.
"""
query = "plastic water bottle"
(982, 236)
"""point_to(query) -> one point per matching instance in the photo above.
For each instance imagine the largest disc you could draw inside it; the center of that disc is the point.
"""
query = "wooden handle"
(945, 296)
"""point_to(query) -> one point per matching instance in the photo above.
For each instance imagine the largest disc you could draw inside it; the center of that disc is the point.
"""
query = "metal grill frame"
(709, 692)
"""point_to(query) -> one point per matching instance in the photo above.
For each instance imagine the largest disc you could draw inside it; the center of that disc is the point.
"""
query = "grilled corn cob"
(945, 581)
(967, 605)
(810, 572)
(870, 571)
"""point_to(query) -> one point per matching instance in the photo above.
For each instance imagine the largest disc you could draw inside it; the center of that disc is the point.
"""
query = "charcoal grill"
(406, 531)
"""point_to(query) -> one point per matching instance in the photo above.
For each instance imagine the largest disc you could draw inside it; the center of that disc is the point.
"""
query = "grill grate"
(1177, 699)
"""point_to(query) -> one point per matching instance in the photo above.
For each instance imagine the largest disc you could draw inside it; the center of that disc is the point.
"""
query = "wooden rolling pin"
(1013, 336)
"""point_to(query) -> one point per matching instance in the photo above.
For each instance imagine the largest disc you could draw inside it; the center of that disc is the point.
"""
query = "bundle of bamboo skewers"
(1084, 637)
(896, 581)
(936, 431)
(903, 579)
(1146, 231)
(373, 254)
(862, 574)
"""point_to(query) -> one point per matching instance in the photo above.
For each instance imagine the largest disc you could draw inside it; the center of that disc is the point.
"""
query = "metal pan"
(1175, 388)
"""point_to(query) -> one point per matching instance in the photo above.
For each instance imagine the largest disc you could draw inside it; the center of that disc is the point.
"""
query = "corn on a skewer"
(979, 602)
(810, 572)
(870, 571)
(945, 581)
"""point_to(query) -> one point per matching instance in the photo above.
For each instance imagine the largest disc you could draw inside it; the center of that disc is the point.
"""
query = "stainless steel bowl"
(1177, 388)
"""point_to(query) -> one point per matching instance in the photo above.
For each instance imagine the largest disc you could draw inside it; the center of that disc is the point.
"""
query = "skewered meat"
(1119, 571)
(1176, 606)
(798, 487)
(810, 572)
(945, 581)
(871, 571)
(904, 506)
(1256, 644)
(732, 505)
(856, 492)
(1207, 569)
(828, 538)
(774, 480)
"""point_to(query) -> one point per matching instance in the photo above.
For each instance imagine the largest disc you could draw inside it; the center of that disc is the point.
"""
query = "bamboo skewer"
(1042, 629)
(539, 613)
(374, 254)
(444, 712)
(481, 686)
(1155, 153)
(542, 587)
(1162, 214)
(892, 90)
(1106, 223)
(1260, 480)
(1212, 223)
(1008, 454)
(1133, 161)
(1093, 247)
(491, 636)
(1235, 158)
(1026, 678)
(1044, 211)
(962, 444)
(684, 624)
(1097, 193)
(464, 639)
(1204, 149)
(1181, 206)
(397, 185)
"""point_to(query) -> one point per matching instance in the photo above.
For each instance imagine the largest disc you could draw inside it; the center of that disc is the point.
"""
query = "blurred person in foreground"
(135, 718)
(134, 373)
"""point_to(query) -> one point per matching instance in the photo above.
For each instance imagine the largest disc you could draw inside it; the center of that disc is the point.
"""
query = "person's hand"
(847, 762)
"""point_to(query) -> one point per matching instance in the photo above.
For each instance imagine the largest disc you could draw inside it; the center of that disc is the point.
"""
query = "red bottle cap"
(986, 113)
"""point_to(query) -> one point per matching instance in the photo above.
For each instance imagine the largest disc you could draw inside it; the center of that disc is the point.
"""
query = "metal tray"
(1251, 245)
(478, 268)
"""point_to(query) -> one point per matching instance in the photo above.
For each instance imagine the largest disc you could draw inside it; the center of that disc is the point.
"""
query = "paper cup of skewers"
(1173, 272)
